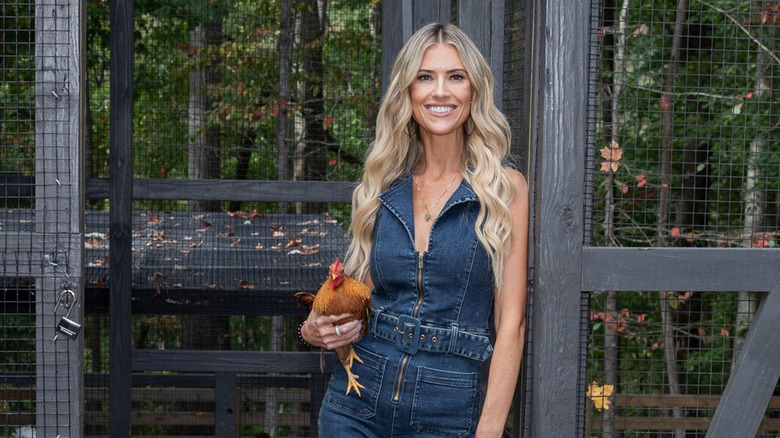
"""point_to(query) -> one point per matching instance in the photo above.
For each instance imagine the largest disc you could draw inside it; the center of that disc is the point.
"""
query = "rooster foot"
(351, 357)
(352, 382)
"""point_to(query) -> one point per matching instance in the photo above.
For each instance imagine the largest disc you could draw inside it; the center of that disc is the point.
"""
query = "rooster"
(341, 294)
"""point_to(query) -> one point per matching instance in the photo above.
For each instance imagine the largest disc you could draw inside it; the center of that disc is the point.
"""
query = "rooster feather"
(340, 294)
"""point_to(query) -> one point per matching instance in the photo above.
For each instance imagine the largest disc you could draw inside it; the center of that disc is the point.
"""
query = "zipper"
(415, 312)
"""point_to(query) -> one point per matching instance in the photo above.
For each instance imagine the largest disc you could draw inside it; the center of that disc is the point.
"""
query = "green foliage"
(244, 101)
(715, 104)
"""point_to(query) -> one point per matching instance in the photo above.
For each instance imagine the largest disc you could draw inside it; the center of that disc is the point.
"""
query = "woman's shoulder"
(517, 177)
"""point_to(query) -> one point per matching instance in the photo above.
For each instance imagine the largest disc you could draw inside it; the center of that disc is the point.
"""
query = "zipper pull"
(420, 260)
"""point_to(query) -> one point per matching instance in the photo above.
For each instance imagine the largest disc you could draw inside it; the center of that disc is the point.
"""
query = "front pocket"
(370, 374)
(444, 402)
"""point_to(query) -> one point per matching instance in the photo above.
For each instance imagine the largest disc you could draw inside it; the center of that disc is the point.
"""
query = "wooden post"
(483, 21)
(225, 413)
(120, 216)
(561, 70)
(59, 105)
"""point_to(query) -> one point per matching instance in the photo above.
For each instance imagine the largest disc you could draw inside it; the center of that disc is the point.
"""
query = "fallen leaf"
(643, 29)
(612, 155)
(202, 219)
(599, 395)
(244, 284)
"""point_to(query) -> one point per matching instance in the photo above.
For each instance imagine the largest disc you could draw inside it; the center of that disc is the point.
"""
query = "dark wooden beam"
(225, 404)
(120, 215)
(558, 206)
(678, 269)
(396, 17)
(754, 377)
(229, 190)
(431, 11)
(483, 21)
(230, 361)
(196, 302)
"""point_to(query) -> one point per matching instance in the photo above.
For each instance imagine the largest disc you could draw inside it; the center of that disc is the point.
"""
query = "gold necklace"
(422, 198)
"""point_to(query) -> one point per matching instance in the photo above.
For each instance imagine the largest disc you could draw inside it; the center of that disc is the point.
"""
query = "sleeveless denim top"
(428, 334)
(446, 290)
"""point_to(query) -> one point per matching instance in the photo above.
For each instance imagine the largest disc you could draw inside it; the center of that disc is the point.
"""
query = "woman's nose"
(441, 89)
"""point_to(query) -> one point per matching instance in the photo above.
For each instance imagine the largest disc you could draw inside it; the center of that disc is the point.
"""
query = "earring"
(466, 125)
(411, 129)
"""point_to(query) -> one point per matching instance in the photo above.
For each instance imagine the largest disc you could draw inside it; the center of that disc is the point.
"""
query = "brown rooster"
(341, 294)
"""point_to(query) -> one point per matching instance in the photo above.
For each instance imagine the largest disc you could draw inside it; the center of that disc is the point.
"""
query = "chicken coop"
(173, 172)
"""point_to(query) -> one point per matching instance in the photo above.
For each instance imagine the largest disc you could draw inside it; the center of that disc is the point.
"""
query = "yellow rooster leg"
(352, 382)
(352, 356)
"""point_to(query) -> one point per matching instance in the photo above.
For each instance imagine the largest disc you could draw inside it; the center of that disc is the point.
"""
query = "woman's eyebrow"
(454, 70)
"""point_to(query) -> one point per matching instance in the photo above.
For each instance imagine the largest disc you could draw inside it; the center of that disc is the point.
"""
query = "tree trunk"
(692, 205)
(243, 156)
(754, 200)
(662, 215)
(616, 43)
(284, 47)
(203, 332)
(310, 152)
(204, 151)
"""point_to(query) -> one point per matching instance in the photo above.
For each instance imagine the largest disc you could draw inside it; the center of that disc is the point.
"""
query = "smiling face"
(441, 93)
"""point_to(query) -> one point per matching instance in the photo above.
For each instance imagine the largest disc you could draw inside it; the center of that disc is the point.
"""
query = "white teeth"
(439, 109)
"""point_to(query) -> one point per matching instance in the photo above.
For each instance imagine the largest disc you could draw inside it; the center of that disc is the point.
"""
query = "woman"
(439, 228)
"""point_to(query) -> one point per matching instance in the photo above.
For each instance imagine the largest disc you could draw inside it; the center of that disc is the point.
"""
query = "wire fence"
(240, 91)
(40, 275)
(685, 154)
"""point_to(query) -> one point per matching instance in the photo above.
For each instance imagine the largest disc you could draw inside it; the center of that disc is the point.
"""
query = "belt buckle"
(408, 334)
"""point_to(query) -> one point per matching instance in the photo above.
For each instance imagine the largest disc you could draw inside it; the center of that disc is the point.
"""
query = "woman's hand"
(328, 332)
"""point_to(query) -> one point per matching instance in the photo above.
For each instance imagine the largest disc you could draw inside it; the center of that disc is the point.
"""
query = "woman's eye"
(424, 77)
(458, 77)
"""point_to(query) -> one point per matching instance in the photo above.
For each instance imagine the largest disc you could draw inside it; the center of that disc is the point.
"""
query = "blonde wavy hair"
(397, 150)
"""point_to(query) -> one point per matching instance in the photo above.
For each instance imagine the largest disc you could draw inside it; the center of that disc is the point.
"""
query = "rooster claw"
(352, 383)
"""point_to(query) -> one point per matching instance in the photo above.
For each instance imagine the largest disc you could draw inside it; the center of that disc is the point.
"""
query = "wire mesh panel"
(229, 90)
(685, 154)
(249, 92)
(40, 208)
(687, 150)
(670, 355)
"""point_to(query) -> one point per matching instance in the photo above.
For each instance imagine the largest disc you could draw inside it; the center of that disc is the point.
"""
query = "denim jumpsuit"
(428, 331)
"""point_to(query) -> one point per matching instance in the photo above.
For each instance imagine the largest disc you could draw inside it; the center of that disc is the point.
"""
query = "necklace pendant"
(427, 215)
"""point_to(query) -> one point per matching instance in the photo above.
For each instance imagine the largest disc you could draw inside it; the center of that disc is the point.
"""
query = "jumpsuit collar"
(398, 199)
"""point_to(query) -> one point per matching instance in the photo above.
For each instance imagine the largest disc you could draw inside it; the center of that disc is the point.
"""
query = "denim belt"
(410, 335)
